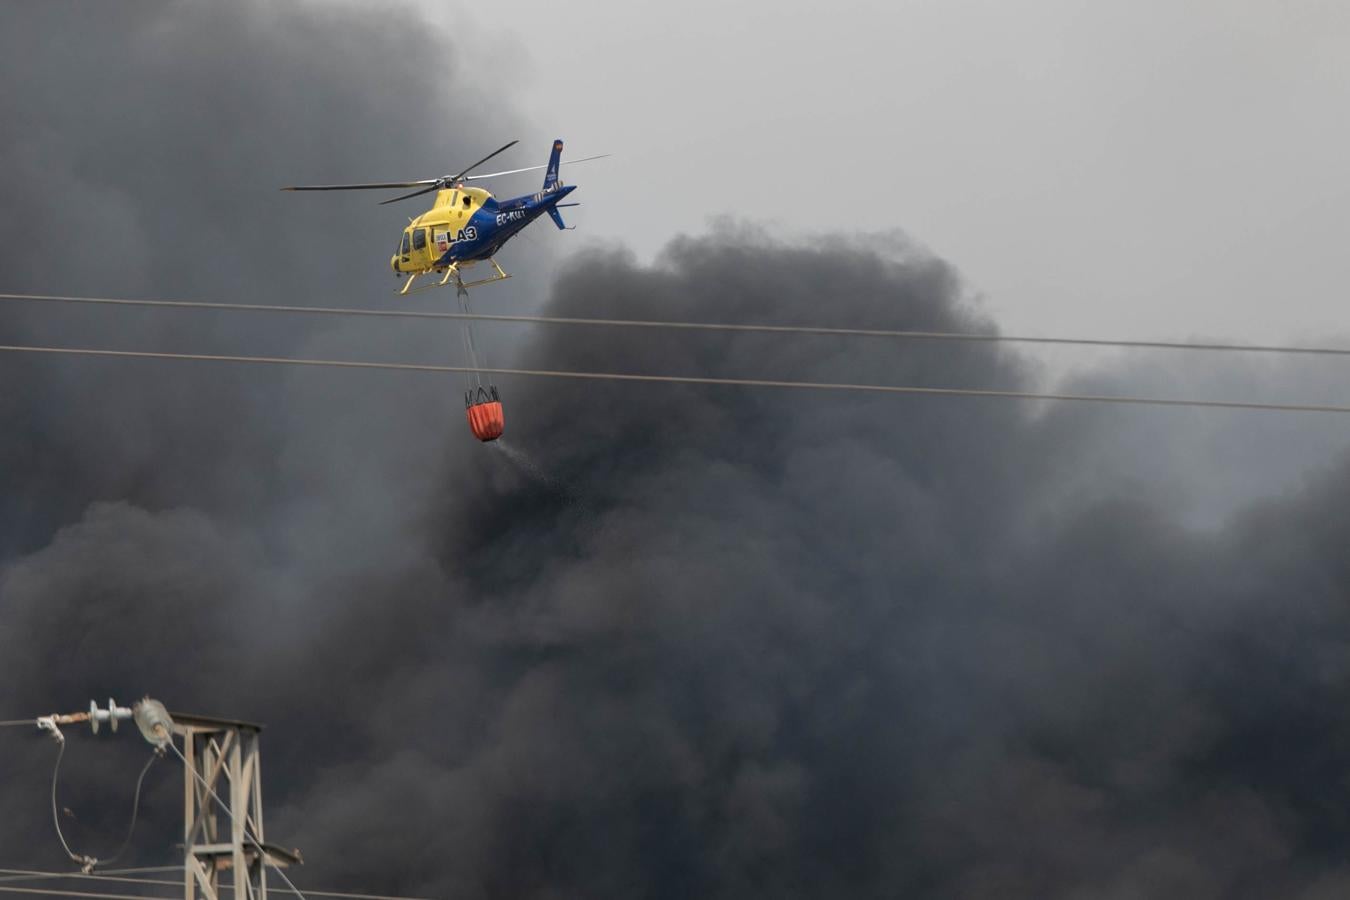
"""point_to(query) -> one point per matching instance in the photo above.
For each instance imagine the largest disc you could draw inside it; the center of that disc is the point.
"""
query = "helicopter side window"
(403, 248)
(419, 239)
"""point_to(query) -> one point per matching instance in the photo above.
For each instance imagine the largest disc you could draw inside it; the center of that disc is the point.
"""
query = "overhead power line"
(688, 379)
(35, 874)
(347, 896)
(55, 892)
(12, 875)
(103, 874)
(898, 334)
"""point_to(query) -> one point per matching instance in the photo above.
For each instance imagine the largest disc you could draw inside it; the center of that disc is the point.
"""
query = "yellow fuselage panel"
(427, 237)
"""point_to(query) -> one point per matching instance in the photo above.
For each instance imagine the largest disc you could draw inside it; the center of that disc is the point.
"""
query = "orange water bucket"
(484, 412)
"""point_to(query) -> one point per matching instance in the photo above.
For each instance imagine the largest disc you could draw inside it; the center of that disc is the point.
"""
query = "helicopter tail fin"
(551, 174)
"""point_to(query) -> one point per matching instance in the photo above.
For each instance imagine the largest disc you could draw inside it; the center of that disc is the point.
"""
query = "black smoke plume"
(734, 643)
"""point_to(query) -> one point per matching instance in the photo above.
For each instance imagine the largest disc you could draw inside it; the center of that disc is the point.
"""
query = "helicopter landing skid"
(452, 274)
(462, 285)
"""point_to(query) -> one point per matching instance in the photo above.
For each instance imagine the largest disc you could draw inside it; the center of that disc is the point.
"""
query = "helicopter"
(466, 225)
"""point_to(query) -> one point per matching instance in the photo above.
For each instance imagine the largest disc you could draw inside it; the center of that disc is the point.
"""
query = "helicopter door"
(405, 247)
(421, 254)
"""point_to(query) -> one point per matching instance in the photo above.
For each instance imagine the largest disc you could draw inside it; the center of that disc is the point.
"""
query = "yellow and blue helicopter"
(467, 224)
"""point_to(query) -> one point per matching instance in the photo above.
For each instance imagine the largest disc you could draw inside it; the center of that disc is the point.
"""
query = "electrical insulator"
(154, 721)
(112, 715)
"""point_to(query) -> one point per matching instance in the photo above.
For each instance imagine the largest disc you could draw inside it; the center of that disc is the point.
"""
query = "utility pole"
(222, 796)
(223, 757)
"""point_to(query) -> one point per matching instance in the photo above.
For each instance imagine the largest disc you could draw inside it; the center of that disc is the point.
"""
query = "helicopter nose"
(393, 263)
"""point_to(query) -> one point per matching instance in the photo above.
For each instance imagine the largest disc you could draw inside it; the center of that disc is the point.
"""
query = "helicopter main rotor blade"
(435, 185)
(430, 184)
(455, 178)
(565, 162)
(361, 187)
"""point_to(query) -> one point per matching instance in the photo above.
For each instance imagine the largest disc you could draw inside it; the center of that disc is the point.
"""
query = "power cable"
(87, 863)
(135, 809)
(105, 875)
(13, 889)
(348, 896)
(10, 723)
(12, 875)
(696, 326)
(691, 379)
(21, 874)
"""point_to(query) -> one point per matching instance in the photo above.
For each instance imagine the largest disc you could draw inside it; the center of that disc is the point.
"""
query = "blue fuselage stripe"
(496, 223)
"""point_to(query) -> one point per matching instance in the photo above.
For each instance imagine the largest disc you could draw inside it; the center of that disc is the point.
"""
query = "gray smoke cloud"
(670, 640)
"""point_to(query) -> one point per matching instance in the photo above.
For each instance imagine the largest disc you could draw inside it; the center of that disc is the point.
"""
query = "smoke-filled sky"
(665, 641)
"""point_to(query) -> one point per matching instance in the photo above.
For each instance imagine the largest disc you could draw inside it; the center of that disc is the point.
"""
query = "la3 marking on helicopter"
(467, 225)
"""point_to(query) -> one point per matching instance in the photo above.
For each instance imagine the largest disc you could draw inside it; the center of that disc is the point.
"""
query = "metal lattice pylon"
(223, 758)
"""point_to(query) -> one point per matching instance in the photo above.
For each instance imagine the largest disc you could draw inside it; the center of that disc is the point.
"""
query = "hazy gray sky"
(1131, 167)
